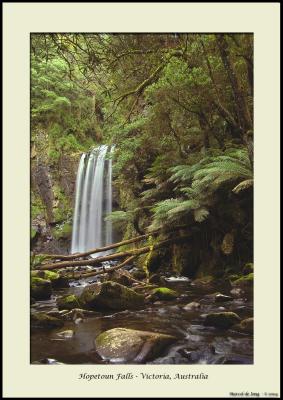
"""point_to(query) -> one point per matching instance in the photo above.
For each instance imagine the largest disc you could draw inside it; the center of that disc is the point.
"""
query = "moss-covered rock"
(248, 268)
(110, 295)
(246, 325)
(55, 278)
(44, 321)
(222, 320)
(163, 293)
(131, 345)
(245, 280)
(41, 289)
(68, 302)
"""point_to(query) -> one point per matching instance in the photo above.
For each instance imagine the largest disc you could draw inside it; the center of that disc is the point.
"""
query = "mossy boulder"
(41, 289)
(248, 268)
(128, 345)
(68, 302)
(44, 321)
(222, 320)
(246, 325)
(55, 279)
(245, 280)
(110, 295)
(163, 293)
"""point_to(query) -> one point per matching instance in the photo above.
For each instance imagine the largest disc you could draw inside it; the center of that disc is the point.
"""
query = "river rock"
(221, 298)
(125, 345)
(246, 325)
(44, 321)
(163, 293)
(192, 306)
(110, 295)
(41, 289)
(57, 281)
(223, 320)
(68, 302)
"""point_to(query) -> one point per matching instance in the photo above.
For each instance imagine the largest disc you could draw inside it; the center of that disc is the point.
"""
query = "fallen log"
(111, 246)
(110, 257)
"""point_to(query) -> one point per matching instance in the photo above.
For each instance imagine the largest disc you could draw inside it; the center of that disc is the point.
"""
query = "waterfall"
(93, 200)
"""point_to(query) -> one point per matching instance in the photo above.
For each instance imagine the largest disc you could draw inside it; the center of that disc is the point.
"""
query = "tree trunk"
(243, 112)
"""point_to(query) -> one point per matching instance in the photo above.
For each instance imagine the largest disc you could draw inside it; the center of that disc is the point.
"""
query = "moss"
(164, 293)
(44, 321)
(37, 259)
(40, 288)
(110, 295)
(248, 268)
(33, 233)
(49, 275)
(63, 231)
(245, 280)
(68, 302)
(222, 320)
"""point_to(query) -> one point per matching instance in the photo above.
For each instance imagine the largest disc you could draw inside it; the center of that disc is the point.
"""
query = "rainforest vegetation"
(179, 110)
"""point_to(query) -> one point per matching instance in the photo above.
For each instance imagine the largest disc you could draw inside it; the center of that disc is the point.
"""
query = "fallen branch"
(104, 271)
(115, 256)
(111, 246)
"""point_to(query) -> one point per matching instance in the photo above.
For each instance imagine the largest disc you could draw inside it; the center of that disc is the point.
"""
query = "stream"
(196, 343)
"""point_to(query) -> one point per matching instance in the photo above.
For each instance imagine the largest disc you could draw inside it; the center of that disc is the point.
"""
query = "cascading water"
(93, 200)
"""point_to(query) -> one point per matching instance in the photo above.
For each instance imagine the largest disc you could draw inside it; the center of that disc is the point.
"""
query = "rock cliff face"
(52, 198)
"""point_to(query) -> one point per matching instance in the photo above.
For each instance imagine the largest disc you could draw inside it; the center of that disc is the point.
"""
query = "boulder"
(41, 289)
(222, 320)
(246, 325)
(68, 302)
(221, 298)
(163, 293)
(44, 321)
(125, 345)
(245, 281)
(56, 279)
(110, 295)
(192, 306)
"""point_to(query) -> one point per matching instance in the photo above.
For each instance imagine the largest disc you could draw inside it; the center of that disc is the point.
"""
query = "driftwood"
(110, 257)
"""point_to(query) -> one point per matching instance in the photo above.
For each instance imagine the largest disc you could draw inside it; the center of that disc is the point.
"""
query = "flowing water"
(196, 343)
(93, 200)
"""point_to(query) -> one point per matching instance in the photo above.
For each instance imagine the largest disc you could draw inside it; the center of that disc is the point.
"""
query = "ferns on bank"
(195, 186)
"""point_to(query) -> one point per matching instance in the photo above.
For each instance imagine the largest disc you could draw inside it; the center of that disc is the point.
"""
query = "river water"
(196, 343)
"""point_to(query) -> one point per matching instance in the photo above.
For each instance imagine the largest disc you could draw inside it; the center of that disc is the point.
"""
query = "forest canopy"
(179, 109)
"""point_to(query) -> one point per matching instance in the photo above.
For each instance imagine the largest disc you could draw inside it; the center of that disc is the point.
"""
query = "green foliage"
(198, 183)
